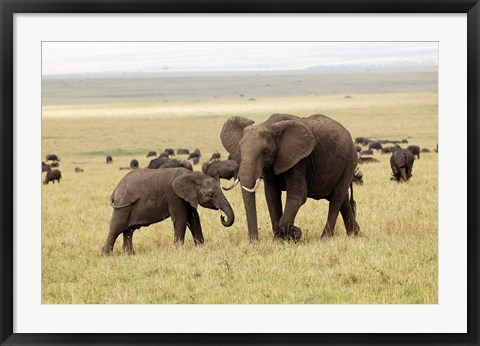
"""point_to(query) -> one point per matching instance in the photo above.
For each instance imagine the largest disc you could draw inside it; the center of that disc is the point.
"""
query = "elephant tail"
(353, 204)
(124, 205)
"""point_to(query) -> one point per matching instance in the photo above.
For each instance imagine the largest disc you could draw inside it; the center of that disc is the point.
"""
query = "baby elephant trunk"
(227, 209)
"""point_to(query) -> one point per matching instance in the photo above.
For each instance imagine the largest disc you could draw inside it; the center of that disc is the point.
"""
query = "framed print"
(239, 173)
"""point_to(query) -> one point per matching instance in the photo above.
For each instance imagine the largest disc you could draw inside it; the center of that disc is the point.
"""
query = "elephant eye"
(210, 195)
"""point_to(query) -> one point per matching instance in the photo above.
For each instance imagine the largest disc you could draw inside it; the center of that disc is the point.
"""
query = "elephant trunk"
(227, 209)
(251, 211)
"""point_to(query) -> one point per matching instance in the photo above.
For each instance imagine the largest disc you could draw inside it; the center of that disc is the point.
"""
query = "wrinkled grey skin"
(147, 196)
(52, 176)
(401, 163)
(226, 169)
(310, 157)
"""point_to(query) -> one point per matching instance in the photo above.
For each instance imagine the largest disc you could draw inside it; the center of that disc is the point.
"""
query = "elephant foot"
(292, 233)
(355, 232)
(106, 252)
(327, 233)
(296, 234)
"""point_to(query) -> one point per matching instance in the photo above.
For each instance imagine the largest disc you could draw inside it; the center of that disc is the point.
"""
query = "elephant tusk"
(231, 186)
(257, 184)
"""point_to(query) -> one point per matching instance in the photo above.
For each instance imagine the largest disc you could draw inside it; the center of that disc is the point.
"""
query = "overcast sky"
(67, 58)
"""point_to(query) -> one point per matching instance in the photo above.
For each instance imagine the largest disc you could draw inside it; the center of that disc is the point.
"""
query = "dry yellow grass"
(393, 261)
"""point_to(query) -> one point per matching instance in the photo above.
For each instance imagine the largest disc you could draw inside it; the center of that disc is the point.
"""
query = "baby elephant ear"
(185, 186)
(232, 133)
(295, 142)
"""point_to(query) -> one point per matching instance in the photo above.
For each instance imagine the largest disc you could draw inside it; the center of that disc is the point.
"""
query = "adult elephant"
(307, 157)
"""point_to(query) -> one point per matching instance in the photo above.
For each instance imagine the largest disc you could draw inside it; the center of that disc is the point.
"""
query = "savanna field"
(393, 261)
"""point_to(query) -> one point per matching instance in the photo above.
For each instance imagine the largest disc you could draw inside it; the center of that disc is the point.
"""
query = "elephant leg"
(127, 241)
(193, 223)
(179, 214)
(403, 173)
(118, 225)
(348, 216)
(333, 209)
(273, 195)
(409, 171)
(337, 200)
(296, 187)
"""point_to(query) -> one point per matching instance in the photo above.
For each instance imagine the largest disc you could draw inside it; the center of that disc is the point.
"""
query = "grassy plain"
(395, 260)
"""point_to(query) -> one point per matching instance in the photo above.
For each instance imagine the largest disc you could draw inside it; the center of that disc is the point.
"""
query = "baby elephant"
(52, 176)
(147, 196)
(401, 163)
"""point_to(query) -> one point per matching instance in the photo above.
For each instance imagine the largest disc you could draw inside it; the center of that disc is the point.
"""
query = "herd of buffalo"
(312, 157)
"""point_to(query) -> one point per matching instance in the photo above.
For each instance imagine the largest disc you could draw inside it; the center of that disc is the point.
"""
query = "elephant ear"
(185, 187)
(232, 133)
(295, 142)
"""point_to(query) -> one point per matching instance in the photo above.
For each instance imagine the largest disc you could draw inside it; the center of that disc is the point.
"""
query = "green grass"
(395, 260)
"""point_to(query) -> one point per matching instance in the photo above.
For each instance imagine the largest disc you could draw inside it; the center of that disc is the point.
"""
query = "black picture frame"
(9, 7)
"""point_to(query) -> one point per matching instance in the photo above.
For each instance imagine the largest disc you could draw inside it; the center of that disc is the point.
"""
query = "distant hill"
(163, 89)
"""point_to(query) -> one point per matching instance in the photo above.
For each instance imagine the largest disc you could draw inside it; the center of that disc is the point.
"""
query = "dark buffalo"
(387, 150)
(366, 152)
(78, 170)
(151, 153)
(52, 176)
(109, 159)
(193, 155)
(183, 152)
(215, 157)
(52, 157)
(134, 164)
(362, 140)
(45, 167)
(174, 163)
(156, 163)
(367, 160)
(170, 151)
(226, 169)
(164, 154)
(425, 150)
(375, 145)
